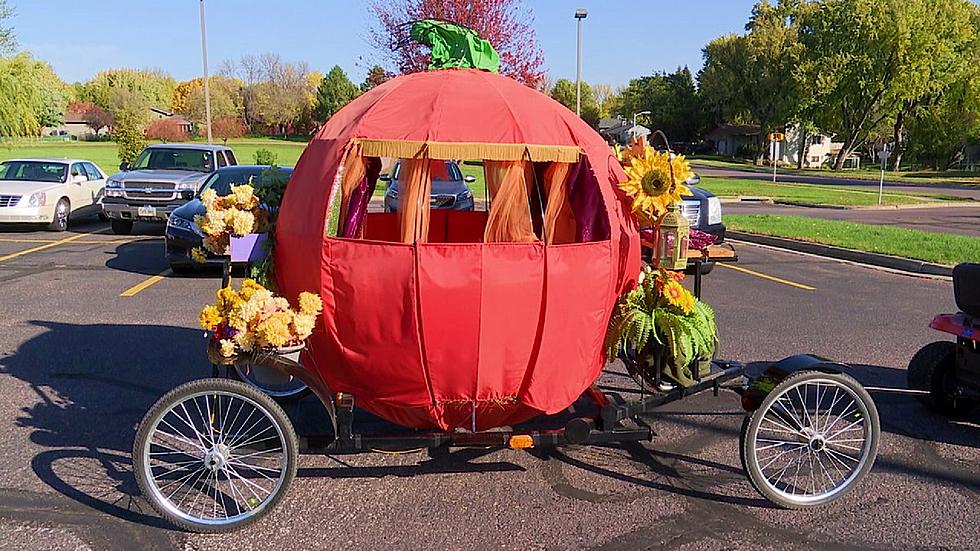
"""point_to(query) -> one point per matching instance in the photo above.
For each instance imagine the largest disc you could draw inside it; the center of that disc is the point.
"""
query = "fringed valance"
(468, 150)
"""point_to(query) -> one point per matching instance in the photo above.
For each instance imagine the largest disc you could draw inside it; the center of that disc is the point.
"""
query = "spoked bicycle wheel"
(813, 438)
(214, 455)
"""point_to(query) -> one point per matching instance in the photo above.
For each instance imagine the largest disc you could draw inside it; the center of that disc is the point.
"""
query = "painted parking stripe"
(143, 285)
(768, 277)
(44, 247)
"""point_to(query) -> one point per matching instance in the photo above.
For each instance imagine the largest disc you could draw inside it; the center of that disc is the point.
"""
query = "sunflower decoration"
(656, 182)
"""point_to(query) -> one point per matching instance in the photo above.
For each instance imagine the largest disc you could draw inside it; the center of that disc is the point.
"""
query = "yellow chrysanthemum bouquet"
(237, 214)
(253, 319)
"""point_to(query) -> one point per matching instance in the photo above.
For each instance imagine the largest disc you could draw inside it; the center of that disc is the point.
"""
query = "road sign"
(777, 137)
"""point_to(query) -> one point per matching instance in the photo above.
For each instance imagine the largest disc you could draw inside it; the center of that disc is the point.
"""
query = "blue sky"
(623, 38)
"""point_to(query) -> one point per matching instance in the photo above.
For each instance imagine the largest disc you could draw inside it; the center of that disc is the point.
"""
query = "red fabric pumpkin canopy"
(439, 334)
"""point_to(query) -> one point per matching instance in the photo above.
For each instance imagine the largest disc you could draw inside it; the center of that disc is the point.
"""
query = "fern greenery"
(644, 317)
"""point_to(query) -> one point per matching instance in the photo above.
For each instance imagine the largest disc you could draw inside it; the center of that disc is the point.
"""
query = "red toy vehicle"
(950, 371)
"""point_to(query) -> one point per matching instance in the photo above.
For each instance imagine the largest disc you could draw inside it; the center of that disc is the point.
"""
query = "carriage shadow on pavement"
(95, 382)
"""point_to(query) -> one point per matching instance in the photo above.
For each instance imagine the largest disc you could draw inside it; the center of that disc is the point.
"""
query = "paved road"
(902, 187)
(944, 219)
(79, 365)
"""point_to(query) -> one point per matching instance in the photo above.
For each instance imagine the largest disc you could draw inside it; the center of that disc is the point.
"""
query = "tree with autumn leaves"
(506, 24)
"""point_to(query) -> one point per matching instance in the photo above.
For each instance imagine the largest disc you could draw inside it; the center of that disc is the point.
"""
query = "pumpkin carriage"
(463, 326)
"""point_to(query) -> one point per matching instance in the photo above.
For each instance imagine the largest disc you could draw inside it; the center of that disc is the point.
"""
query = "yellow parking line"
(768, 277)
(141, 286)
(44, 247)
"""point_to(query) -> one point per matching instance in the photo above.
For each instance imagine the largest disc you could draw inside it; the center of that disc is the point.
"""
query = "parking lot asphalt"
(80, 364)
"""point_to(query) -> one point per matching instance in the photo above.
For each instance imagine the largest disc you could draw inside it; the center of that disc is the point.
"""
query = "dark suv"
(449, 187)
(183, 235)
(164, 177)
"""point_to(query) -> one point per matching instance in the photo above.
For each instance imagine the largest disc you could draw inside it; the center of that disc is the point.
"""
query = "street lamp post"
(633, 128)
(204, 61)
(580, 14)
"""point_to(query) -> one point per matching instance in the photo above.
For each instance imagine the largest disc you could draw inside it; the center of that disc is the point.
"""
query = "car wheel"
(61, 212)
(182, 269)
(121, 227)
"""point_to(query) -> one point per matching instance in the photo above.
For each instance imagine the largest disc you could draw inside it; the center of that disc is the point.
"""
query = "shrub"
(748, 151)
(265, 157)
(226, 128)
(167, 130)
(131, 142)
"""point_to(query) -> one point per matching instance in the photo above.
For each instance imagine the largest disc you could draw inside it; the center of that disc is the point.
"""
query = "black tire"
(121, 227)
(811, 440)
(179, 268)
(62, 211)
(215, 388)
(933, 369)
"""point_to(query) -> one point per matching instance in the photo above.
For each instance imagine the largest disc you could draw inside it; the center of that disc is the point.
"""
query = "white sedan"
(49, 191)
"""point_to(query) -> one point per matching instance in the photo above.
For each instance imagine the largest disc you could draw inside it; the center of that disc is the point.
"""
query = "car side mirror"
(469, 179)
(124, 166)
(693, 180)
(385, 177)
(78, 179)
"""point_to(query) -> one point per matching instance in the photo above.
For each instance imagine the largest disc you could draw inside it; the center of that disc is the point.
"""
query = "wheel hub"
(817, 442)
(217, 457)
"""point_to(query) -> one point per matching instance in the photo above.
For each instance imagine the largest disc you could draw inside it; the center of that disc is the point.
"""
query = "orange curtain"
(559, 221)
(414, 188)
(510, 215)
(354, 172)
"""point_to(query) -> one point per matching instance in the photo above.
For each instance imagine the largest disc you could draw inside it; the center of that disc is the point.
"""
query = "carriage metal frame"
(615, 419)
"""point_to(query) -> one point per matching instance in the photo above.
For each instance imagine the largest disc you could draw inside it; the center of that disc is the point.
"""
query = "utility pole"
(204, 60)
(580, 14)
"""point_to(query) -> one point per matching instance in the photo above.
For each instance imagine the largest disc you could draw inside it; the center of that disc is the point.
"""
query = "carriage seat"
(966, 288)
(445, 226)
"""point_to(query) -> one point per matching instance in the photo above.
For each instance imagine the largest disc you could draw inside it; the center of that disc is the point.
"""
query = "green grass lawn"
(939, 248)
(871, 173)
(106, 154)
(814, 194)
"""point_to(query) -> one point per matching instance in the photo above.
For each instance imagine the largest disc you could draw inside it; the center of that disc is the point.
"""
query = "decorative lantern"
(673, 236)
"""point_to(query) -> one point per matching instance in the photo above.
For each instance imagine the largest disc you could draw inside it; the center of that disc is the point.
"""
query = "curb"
(861, 257)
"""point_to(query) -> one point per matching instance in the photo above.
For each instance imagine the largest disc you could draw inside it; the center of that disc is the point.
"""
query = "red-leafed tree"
(94, 116)
(226, 128)
(506, 24)
(167, 130)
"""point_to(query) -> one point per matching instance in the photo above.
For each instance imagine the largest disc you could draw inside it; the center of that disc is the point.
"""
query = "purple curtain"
(360, 198)
(586, 202)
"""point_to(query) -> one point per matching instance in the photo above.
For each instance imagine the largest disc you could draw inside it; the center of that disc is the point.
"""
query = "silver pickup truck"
(164, 177)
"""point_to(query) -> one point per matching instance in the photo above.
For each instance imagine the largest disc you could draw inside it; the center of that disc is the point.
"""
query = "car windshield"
(222, 181)
(447, 171)
(162, 158)
(38, 171)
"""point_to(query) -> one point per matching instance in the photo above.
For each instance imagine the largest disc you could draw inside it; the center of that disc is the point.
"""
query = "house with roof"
(728, 139)
(617, 130)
